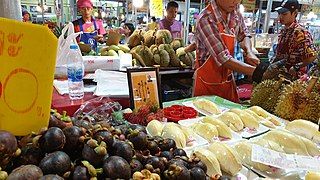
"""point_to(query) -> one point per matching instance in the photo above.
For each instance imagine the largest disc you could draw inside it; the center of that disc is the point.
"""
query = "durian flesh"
(296, 103)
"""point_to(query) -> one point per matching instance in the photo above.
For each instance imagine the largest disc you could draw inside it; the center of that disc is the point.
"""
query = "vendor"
(295, 49)
(128, 29)
(169, 22)
(92, 31)
(218, 27)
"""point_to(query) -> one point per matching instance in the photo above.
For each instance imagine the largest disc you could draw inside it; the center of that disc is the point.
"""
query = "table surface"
(63, 103)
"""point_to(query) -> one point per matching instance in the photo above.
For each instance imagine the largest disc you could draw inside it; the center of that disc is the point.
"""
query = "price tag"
(27, 61)
(284, 161)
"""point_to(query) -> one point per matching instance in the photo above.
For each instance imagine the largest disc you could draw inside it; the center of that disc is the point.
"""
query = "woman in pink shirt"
(169, 22)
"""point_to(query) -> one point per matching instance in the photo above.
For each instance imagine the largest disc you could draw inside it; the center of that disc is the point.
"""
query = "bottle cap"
(73, 46)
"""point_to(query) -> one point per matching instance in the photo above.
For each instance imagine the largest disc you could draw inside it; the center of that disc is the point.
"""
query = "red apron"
(210, 79)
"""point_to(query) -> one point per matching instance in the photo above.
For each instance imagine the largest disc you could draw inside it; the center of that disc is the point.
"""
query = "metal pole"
(201, 5)
(186, 21)
(11, 9)
(62, 12)
(42, 11)
(267, 18)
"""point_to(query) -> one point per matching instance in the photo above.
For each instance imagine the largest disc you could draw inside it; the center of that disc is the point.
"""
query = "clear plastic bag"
(97, 109)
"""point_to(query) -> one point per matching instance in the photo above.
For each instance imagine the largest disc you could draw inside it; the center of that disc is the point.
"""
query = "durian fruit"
(290, 143)
(145, 53)
(173, 131)
(232, 120)
(305, 129)
(186, 58)
(206, 105)
(223, 129)
(154, 128)
(206, 130)
(244, 149)
(210, 160)
(174, 61)
(266, 94)
(163, 36)
(177, 43)
(247, 119)
(227, 157)
(298, 101)
(136, 38)
(268, 144)
(150, 37)
(161, 56)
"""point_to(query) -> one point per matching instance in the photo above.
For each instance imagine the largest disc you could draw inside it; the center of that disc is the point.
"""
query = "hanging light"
(137, 3)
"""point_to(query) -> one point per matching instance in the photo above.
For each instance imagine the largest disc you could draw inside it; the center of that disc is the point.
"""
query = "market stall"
(123, 129)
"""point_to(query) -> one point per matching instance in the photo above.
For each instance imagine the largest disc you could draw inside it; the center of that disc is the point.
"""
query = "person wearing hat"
(219, 25)
(92, 31)
(295, 49)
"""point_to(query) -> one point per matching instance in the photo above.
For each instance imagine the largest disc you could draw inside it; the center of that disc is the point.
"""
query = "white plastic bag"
(63, 48)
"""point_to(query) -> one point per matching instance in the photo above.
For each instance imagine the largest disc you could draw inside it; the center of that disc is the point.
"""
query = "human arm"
(191, 47)
(208, 36)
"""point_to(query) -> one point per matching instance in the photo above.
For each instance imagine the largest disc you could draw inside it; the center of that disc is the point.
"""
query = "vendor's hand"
(252, 59)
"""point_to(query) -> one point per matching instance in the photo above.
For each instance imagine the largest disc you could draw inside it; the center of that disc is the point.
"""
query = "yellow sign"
(27, 62)
(156, 8)
(249, 5)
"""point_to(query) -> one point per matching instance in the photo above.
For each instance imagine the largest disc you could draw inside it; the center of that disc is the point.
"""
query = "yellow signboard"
(156, 8)
(27, 62)
(249, 5)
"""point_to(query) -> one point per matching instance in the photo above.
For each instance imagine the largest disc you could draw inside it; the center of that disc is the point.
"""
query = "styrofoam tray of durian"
(216, 110)
(190, 122)
(183, 137)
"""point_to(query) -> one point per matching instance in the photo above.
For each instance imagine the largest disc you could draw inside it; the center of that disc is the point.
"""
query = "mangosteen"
(177, 172)
(57, 162)
(59, 120)
(123, 150)
(104, 135)
(156, 162)
(179, 152)
(30, 155)
(167, 154)
(83, 124)
(8, 147)
(73, 141)
(94, 154)
(198, 163)
(197, 174)
(135, 166)
(138, 127)
(52, 140)
(138, 139)
(115, 167)
(26, 172)
(153, 147)
(167, 144)
(51, 177)
(140, 157)
(80, 173)
(178, 161)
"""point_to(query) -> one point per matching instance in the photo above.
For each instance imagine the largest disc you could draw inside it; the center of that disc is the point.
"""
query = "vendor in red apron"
(92, 30)
(220, 24)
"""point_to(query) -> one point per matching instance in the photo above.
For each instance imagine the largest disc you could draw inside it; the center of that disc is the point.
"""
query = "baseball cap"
(287, 5)
(84, 3)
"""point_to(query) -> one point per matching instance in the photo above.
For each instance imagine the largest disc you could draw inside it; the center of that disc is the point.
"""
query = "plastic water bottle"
(75, 70)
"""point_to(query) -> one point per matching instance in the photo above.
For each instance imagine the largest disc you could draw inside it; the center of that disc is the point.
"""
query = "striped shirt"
(208, 37)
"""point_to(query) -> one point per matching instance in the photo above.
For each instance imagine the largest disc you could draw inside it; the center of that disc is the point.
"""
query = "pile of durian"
(156, 47)
(290, 101)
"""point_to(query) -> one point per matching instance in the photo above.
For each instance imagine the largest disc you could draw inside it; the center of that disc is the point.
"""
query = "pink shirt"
(174, 27)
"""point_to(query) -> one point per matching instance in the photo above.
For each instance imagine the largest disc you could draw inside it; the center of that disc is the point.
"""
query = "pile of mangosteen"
(81, 149)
